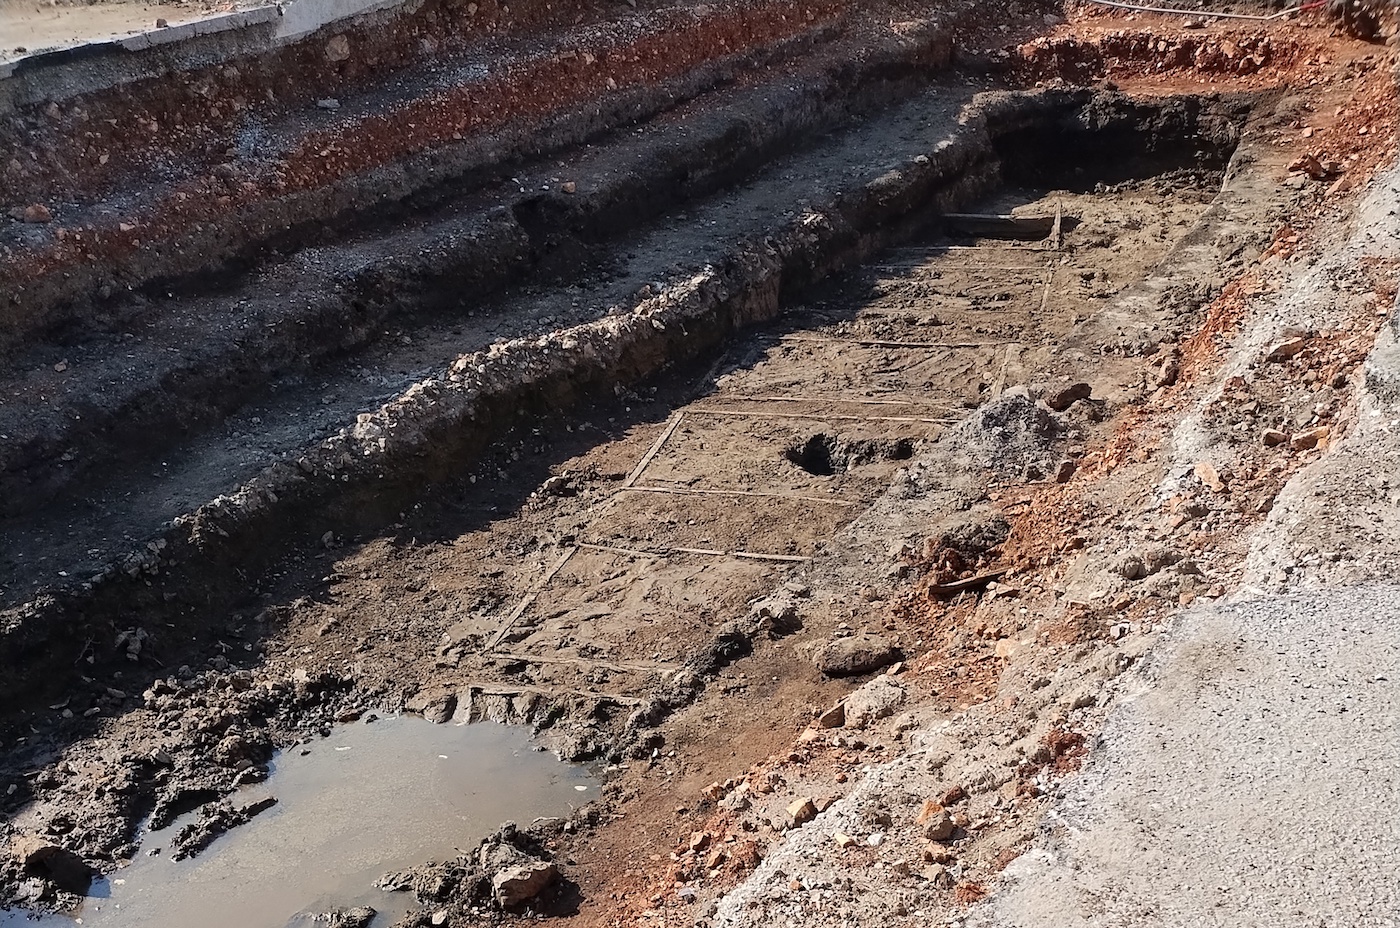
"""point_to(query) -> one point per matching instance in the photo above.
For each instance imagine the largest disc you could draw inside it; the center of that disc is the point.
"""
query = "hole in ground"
(827, 455)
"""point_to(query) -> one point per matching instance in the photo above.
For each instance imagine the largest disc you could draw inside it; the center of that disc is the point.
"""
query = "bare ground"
(656, 566)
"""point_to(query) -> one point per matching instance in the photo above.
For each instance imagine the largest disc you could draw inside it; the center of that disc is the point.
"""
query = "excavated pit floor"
(671, 511)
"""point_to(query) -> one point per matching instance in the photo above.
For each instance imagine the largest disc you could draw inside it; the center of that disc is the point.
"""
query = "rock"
(1308, 164)
(843, 840)
(358, 917)
(437, 708)
(558, 485)
(939, 876)
(801, 811)
(329, 103)
(935, 822)
(1308, 438)
(162, 23)
(570, 187)
(856, 655)
(1064, 398)
(1273, 437)
(1340, 185)
(1130, 567)
(1007, 648)
(1287, 349)
(1065, 471)
(516, 886)
(1170, 370)
(1210, 477)
(338, 48)
(60, 867)
(737, 801)
(778, 614)
(875, 700)
(34, 213)
(834, 717)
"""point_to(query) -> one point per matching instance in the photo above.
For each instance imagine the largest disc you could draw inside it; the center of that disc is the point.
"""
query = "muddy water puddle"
(369, 799)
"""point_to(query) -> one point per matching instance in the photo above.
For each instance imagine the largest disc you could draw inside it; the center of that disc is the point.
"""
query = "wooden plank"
(767, 414)
(695, 491)
(943, 590)
(530, 597)
(655, 449)
(703, 552)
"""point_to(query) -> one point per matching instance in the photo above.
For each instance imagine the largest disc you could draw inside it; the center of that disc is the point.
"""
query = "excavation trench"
(362, 478)
(207, 351)
(563, 530)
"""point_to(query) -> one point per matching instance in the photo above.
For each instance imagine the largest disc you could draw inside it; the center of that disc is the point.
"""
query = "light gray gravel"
(1253, 779)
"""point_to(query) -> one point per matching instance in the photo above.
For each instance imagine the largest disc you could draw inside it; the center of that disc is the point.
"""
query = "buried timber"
(628, 521)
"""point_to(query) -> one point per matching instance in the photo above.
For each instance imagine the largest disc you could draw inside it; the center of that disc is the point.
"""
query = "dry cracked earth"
(933, 462)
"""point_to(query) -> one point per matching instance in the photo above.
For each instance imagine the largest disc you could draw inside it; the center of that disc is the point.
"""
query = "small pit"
(825, 455)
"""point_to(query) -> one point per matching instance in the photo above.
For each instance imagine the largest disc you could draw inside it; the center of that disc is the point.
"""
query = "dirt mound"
(1012, 435)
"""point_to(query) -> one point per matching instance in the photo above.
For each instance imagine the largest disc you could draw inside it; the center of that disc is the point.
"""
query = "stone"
(436, 708)
(843, 840)
(856, 655)
(777, 615)
(57, 865)
(1287, 348)
(939, 876)
(737, 801)
(935, 821)
(338, 48)
(1065, 471)
(515, 886)
(35, 213)
(1308, 164)
(1273, 437)
(875, 700)
(801, 811)
(835, 717)
(329, 103)
(937, 854)
(570, 188)
(1065, 397)
(359, 917)
(1210, 477)
(1130, 567)
(1308, 438)
(558, 485)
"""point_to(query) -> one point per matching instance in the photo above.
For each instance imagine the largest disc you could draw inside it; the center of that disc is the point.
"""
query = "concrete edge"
(63, 73)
